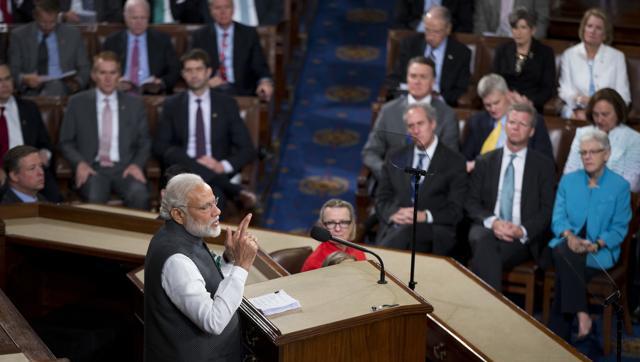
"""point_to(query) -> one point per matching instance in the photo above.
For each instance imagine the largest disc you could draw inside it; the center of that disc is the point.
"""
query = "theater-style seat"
(292, 259)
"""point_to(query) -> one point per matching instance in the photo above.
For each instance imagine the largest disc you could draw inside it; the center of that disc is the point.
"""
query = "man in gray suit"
(491, 17)
(43, 51)
(389, 130)
(105, 137)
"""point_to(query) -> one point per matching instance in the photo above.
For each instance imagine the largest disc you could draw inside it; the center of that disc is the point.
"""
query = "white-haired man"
(191, 294)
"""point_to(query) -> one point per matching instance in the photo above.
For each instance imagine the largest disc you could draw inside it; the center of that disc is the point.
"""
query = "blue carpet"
(330, 119)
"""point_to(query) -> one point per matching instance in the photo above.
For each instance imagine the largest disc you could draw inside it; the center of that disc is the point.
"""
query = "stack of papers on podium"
(276, 302)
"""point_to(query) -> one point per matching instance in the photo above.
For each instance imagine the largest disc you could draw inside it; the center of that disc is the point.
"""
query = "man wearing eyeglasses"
(510, 200)
(191, 294)
(338, 217)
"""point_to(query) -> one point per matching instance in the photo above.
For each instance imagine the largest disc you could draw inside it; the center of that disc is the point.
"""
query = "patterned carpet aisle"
(331, 115)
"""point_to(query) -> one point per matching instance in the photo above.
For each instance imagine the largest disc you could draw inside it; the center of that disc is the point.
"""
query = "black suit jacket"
(408, 13)
(537, 80)
(480, 126)
(456, 73)
(249, 63)
(34, 132)
(163, 61)
(230, 139)
(536, 204)
(442, 192)
(10, 197)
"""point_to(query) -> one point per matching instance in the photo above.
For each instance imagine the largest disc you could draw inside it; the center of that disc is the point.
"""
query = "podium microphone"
(322, 235)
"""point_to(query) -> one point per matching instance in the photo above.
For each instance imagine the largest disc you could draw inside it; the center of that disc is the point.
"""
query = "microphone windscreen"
(320, 234)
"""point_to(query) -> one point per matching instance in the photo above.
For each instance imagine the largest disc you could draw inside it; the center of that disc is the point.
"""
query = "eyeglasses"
(333, 224)
(584, 153)
(203, 208)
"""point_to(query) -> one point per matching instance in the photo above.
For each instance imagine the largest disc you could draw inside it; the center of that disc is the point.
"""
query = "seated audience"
(202, 130)
(451, 58)
(491, 17)
(22, 122)
(528, 66)
(258, 12)
(338, 257)
(25, 174)
(408, 14)
(338, 217)
(389, 130)
(591, 65)
(607, 112)
(149, 59)
(486, 129)
(180, 11)
(510, 200)
(235, 52)
(440, 199)
(590, 220)
(92, 12)
(105, 137)
(39, 64)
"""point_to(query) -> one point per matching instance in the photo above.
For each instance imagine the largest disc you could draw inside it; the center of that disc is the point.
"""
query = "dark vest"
(168, 334)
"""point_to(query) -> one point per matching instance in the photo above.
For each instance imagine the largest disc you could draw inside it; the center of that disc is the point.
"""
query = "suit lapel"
(152, 52)
(123, 126)
(184, 118)
(93, 126)
(214, 124)
(215, 61)
(33, 48)
(528, 187)
(124, 42)
(494, 176)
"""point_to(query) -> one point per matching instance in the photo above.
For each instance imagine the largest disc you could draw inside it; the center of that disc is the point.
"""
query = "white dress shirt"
(205, 105)
(609, 70)
(114, 152)
(12, 116)
(438, 57)
(245, 12)
(625, 154)
(518, 168)
(186, 288)
(411, 100)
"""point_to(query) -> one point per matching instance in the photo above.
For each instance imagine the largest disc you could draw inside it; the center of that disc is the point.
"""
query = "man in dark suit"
(24, 126)
(78, 11)
(408, 14)
(452, 58)
(25, 170)
(105, 137)
(486, 129)
(180, 11)
(44, 48)
(440, 199)
(150, 61)
(202, 131)
(389, 131)
(236, 54)
(510, 201)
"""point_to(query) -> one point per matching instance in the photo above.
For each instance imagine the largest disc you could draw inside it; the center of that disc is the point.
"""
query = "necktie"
(592, 85)
(223, 68)
(4, 136)
(158, 11)
(419, 166)
(491, 142)
(105, 136)
(201, 149)
(43, 56)
(135, 63)
(506, 195)
(88, 5)
(4, 9)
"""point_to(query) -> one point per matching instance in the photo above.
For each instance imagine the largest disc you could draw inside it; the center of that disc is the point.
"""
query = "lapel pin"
(449, 56)
(214, 115)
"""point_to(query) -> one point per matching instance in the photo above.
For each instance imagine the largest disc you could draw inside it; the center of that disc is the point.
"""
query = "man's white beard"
(201, 230)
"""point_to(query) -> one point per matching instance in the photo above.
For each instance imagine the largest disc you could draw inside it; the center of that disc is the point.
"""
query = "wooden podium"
(337, 321)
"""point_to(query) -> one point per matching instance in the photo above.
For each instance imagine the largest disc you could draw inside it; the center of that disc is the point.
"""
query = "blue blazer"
(606, 209)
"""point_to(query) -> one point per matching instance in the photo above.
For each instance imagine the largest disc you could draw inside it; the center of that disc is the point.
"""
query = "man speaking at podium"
(192, 295)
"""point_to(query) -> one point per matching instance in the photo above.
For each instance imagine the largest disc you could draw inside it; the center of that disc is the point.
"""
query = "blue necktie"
(506, 196)
(420, 166)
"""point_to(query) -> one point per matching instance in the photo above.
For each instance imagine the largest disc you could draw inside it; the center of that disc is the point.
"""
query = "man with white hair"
(191, 294)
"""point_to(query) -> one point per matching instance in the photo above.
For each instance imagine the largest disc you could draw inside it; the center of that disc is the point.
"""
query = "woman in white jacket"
(591, 65)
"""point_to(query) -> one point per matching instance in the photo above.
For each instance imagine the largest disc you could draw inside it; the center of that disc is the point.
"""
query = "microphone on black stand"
(322, 235)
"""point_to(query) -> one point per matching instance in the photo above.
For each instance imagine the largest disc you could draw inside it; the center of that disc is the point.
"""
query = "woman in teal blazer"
(590, 220)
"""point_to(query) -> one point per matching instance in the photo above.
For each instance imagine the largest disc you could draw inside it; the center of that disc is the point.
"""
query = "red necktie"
(4, 136)
(6, 15)
(135, 63)
(223, 68)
